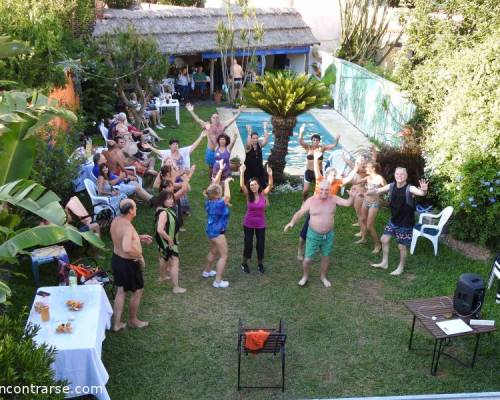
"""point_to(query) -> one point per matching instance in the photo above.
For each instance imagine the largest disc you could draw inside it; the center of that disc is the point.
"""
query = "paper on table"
(454, 326)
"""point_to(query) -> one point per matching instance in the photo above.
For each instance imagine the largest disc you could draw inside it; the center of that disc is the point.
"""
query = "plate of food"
(74, 305)
(64, 328)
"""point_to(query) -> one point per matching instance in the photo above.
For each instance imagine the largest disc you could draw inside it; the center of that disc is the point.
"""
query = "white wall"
(323, 16)
(324, 19)
(297, 62)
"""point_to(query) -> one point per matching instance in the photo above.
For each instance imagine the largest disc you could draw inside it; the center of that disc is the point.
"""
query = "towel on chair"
(255, 340)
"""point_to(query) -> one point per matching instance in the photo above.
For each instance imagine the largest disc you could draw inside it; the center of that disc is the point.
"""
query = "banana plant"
(21, 115)
(44, 203)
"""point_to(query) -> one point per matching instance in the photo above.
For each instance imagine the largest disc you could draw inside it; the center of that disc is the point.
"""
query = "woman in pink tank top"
(254, 222)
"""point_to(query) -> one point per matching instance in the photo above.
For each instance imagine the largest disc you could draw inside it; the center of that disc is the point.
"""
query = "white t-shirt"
(183, 80)
(185, 153)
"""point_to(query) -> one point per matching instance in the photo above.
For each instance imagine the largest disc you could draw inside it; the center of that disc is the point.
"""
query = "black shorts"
(309, 176)
(305, 228)
(127, 273)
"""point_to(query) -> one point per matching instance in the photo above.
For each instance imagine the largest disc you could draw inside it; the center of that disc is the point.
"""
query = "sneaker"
(161, 126)
(261, 268)
(245, 268)
(221, 284)
(209, 274)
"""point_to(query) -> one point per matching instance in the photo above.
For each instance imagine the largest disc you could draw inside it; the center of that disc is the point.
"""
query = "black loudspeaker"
(469, 295)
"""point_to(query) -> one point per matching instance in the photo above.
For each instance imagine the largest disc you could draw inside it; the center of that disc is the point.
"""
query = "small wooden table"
(432, 310)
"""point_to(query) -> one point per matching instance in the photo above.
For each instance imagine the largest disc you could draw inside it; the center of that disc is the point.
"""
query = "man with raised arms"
(402, 205)
(214, 129)
(321, 208)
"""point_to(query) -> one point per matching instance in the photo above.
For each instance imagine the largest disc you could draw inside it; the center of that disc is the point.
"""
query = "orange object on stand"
(255, 340)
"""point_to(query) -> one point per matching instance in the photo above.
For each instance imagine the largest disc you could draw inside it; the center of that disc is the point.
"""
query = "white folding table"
(78, 354)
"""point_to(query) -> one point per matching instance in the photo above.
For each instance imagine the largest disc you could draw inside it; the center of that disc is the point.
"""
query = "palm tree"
(284, 95)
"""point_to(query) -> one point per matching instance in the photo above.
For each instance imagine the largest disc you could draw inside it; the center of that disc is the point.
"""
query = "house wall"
(297, 63)
(322, 16)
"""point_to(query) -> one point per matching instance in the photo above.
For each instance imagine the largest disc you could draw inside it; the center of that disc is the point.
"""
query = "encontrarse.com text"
(35, 389)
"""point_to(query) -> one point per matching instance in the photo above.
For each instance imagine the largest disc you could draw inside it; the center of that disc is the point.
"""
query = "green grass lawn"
(349, 340)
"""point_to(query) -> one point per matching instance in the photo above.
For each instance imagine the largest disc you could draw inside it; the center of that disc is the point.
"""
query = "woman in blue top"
(216, 205)
(225, 145)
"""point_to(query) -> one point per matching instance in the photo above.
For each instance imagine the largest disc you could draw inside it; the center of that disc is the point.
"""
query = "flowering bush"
(453, 79)
(462, 144)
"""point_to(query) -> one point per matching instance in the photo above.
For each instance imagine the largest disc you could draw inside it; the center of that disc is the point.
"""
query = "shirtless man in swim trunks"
(321, 207)
(127, 263)
(214, 128)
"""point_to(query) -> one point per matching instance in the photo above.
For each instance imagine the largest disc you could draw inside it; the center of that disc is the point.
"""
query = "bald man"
(402, 205)
(321, 208)
(127, 263)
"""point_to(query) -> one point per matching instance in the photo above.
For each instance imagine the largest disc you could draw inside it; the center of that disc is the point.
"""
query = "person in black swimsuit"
(253, 160)
(309, 177)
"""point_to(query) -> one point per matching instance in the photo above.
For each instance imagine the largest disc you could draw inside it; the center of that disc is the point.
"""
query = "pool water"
(296, 158)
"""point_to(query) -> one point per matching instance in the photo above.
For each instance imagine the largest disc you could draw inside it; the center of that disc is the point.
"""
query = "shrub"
(53, 166)
(452, 77)
(23, 362)
(391, 157)
(51, 29)
(407, 155)
(474, 195)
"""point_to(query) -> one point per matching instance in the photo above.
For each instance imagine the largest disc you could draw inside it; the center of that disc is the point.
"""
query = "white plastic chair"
(98, 202)
(87, 172)
(431, 232)
(104, 132)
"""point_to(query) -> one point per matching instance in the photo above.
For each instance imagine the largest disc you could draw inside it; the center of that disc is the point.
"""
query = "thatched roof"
(187, 30)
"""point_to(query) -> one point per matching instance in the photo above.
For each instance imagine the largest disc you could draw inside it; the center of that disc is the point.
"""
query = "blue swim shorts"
(210, 157)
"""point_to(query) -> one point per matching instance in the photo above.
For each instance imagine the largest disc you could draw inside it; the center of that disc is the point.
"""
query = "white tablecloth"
(78, 356)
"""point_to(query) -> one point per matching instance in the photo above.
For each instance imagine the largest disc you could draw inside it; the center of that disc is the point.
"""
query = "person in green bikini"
(321, 207)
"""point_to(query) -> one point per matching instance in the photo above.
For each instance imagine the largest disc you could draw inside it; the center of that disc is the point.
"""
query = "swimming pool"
(295, 160)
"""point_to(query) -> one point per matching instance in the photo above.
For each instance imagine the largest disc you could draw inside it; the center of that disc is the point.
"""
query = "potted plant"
(218, 96)
(235, 163)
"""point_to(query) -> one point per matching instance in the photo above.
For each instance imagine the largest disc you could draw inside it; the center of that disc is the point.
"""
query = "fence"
(373, 104)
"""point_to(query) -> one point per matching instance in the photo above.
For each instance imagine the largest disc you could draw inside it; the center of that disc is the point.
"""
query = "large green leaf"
(30, 106)
(4, 292)
(21, 115)
(16, 154)
(45, 235)
(35, 198)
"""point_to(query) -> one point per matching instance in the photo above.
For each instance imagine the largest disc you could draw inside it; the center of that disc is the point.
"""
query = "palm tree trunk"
(282, 130)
